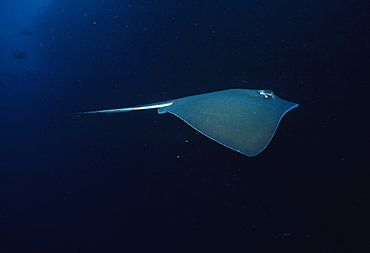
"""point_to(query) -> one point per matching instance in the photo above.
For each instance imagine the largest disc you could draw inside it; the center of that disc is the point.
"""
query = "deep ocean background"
(143, 182)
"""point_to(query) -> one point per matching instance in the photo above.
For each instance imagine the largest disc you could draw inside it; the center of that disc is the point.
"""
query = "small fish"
(19, 55)
(28, 73)
(26, 33)
(13, 76)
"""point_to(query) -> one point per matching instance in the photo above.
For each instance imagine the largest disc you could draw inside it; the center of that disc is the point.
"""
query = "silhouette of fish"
(26, 33)
(28, 73)
(19, 55)
(13, 76)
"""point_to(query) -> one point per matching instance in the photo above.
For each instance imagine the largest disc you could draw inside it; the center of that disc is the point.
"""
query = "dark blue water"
(143, 182)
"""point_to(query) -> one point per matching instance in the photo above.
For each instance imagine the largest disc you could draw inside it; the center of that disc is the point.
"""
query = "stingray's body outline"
(243, 120)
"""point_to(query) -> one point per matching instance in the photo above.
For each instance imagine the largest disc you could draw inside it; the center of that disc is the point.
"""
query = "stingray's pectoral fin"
(119, 110)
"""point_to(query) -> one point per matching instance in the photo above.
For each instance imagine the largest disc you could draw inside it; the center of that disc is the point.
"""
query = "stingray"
(243, 120)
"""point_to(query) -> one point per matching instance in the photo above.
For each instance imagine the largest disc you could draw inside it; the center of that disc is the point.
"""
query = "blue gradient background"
(143, 182)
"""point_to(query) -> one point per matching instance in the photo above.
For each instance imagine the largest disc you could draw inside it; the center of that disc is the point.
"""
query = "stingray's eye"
(266, 93)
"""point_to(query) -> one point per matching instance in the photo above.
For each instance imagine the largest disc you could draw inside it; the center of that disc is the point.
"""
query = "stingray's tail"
(94, 112)
(119, 110)
(66, 116)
